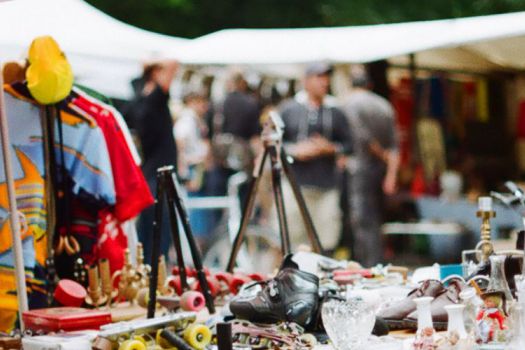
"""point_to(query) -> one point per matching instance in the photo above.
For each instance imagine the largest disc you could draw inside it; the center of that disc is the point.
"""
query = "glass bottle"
(517, 341)
(471, 301)
(498, 281)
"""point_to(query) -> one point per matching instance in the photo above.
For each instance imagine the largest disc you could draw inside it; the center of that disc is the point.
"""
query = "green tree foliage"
(192, 18)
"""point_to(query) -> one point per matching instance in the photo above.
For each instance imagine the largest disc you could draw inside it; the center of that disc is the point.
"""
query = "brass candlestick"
(486, 213)
(95, 296)
(130, 279)
(162, 285)
(142, 268)
(105, 277)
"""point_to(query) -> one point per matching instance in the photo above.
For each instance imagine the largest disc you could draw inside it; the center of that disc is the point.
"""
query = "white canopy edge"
(106, 53)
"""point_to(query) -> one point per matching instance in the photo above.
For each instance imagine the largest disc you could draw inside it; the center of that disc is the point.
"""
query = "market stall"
(73, 164)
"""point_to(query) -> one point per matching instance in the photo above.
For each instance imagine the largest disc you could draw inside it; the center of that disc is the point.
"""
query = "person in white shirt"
(193, 147)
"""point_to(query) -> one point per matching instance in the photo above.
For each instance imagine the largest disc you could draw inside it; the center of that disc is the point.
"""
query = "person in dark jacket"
(154, 125)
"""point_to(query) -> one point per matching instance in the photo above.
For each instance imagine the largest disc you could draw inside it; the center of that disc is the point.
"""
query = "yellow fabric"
(27, 200)
(9, 302)
(482, 100)
(49, 76)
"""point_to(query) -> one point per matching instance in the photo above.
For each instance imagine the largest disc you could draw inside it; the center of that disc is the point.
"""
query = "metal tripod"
(168, 187)
(272, 136)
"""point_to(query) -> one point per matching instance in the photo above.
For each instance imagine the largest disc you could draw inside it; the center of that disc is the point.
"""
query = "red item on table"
(70, 293)
(65, 318)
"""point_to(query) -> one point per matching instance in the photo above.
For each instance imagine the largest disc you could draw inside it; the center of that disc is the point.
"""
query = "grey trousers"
(367, 199)
(323, 205)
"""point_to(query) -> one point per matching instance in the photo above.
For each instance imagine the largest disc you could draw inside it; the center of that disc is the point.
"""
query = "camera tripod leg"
(279, 200)
(194, 250)
(154, 263)
(307, 219)
(247, 211)
(175, 232)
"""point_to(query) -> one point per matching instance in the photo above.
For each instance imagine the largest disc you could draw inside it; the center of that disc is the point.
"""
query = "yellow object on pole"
(13, 210)
(49, 75)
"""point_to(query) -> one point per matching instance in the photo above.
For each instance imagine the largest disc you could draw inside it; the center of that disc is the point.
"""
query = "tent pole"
(16, 237)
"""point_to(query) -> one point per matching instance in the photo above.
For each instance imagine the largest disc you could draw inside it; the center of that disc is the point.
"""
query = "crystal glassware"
(348, 323)
(469, 298)
(498, 281)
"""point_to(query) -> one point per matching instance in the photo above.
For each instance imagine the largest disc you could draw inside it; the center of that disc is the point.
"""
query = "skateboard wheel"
(161, 341)
(176, 271)
(141, 339)
(143, 297)
(193, 272)
(198, 336)
(192, 301)
(257, 277)
(237, 282)
(175, 283)
(213, 283)
(342, 279)
(224, 277)
(132, 344)
(225, 280)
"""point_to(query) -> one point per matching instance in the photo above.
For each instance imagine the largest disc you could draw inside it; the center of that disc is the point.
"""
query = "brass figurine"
(131, 280)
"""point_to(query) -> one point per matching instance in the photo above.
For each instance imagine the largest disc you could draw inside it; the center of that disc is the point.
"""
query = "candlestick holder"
(142, 268)
(486, 213)
(95, 297)
(162, 285)
(107, 285)
(130, 279)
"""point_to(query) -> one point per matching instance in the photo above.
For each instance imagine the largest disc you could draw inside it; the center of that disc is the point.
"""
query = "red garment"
(112, 241)
(403, 103)
(132, 191)
(520, 132)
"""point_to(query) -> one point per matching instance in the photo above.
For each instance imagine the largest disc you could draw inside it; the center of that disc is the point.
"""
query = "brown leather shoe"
(395, 315)
(439, 315)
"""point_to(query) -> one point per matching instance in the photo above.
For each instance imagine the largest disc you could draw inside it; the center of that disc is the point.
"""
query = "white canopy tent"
(474, 43)
(104, 52)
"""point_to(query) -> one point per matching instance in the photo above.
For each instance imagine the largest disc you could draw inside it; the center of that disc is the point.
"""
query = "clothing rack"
(21, 289)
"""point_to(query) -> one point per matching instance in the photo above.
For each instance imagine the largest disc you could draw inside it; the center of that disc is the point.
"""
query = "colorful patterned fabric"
(87, 164)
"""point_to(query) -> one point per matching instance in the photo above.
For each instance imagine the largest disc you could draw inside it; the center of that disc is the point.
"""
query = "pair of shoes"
(449, 296)
(291, 296)
(403, 314)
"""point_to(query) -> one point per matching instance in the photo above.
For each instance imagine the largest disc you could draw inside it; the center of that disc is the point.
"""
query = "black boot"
(291, 296)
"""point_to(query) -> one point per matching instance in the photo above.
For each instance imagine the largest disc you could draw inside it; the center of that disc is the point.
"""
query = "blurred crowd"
(344, 155)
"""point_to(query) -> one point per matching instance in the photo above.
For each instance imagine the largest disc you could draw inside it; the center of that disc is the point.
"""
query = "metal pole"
(247, 210)
(275, 160)
(155, 248)
(13, 211)
(307, 219)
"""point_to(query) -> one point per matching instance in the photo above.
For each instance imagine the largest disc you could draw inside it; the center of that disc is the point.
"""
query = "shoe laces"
(273, 290)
